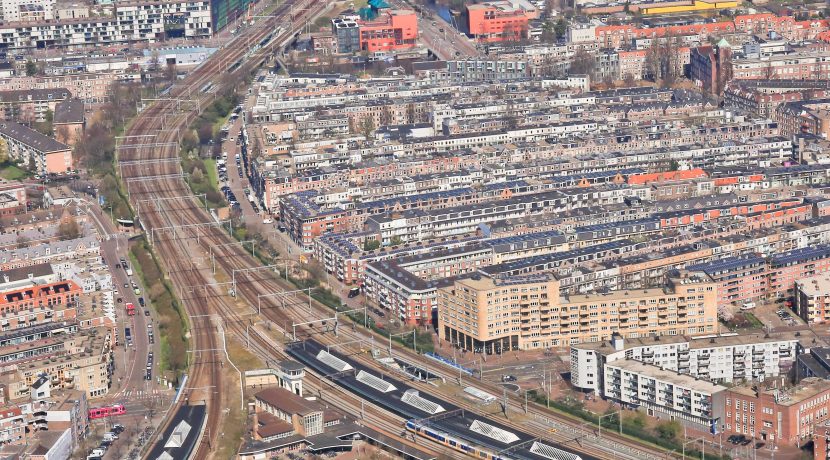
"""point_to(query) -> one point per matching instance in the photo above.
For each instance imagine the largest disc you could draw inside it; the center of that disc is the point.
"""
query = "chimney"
(255, 430)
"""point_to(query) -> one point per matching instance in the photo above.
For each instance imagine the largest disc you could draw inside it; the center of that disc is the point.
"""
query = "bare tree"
(582, 63)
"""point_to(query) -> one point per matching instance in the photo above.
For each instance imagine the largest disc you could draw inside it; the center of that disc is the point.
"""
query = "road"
(114, 246)
(445, 41)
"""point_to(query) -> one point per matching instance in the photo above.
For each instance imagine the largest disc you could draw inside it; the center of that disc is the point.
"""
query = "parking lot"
(775, 314)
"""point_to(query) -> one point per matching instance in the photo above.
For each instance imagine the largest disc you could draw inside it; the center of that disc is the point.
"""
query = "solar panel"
(493, 432)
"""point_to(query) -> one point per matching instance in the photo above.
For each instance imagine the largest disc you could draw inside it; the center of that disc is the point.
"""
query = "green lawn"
(213, 177)
(12, 172)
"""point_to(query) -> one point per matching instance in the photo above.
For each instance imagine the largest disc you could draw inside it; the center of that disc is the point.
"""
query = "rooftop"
(674, 378)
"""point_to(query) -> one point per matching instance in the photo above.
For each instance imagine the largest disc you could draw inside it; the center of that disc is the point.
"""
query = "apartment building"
(808, 65)
(744, 279)
(739, 279)
(812, 299)
(664, 394)
(134, 21)
(780, 415)
(31, 105)
(84, 366)
(721, 358)
(92, 88)
(487, 313)
(28, 146)
(38, 304)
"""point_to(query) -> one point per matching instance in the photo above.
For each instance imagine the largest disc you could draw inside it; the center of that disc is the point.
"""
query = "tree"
(674, 165)
(367, 127)
(170, 72)
(31, 68)
(561, 28)
(154, 64)
(370, 245)
(396, 240)
(197, 175)
(45, 127)
(4, 151)
(205, 132)
(669, 430)
(582, 63)
(32, 164)
(410, 113)
(629, 80)
(69, 229)
(385, 115)
(653, 60)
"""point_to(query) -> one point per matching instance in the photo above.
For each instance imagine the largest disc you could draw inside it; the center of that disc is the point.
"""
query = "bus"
(130, 309)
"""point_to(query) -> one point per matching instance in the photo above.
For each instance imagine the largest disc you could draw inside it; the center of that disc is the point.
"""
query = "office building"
(391, 30)
(777, 414)
(501, 20)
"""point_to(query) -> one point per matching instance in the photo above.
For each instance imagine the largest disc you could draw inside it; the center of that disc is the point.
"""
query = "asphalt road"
(442, 38)
(130, 361)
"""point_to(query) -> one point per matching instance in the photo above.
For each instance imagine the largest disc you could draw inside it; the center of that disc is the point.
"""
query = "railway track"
(152, 175)
(155, 175)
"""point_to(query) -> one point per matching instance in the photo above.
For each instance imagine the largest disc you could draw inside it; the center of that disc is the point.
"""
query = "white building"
(26, 10)
(664, 393)
(720, 358)
(131, 22)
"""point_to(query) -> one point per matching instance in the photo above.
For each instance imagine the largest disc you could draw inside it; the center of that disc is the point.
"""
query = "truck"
(130, 309)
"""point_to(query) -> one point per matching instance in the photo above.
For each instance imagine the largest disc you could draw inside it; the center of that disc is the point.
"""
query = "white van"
(748, 306)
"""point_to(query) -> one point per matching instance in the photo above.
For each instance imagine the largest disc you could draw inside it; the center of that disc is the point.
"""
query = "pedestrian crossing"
(145, 394)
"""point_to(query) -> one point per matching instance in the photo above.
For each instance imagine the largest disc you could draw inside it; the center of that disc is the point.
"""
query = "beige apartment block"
(482, 313)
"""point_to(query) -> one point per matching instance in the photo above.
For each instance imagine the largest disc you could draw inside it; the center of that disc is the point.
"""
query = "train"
(107, 411)
(465, 447)
(452, 442)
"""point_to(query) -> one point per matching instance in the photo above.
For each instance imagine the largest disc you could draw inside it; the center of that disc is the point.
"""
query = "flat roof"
(675, 378)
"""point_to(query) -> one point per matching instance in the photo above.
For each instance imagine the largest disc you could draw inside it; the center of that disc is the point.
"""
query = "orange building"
(38, 304)
(392, 30)
(500, 20)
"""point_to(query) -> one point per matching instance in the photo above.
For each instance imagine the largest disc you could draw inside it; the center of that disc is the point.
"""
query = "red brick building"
(777, 416)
